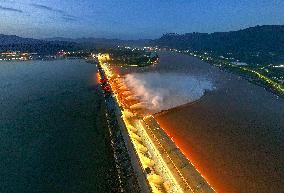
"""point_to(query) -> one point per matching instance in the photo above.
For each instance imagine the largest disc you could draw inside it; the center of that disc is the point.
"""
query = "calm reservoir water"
(52, 131)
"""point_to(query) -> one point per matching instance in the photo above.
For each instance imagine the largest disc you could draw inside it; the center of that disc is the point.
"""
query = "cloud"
(10, 9)
(69, 18)
(64, 15)
(44, 7)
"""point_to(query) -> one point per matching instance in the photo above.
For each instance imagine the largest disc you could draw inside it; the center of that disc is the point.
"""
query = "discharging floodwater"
(52, 128)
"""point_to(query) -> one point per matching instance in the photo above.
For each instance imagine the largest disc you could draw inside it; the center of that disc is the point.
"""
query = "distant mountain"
(15, 43)
(254, 45)
(102, 42)
(52, 45)
(59, 39)
(259, 44)
(12, 39)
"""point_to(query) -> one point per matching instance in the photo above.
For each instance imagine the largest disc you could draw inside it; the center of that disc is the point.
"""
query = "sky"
(133, 19)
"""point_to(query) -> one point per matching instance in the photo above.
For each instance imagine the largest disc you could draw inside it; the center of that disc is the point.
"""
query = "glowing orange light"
(182, 148)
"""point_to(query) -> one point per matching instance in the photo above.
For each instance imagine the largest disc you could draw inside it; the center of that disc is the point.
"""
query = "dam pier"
(127, 168)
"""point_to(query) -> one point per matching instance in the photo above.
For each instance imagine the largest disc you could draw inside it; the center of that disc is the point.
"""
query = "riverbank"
(249, 73)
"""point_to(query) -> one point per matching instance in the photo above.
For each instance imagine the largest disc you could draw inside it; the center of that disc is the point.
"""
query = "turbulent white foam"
(167, 90)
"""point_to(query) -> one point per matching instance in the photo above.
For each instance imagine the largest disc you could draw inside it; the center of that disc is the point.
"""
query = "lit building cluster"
(16, 55)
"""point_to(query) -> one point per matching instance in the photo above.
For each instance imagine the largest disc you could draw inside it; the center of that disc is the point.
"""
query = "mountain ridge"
(256, 45)
(259, 44)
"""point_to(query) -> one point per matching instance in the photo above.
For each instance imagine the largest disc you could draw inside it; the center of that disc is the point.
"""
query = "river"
(52, 128)
(234, 134)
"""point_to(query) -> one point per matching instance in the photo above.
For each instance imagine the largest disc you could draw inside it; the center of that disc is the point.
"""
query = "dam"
(157, 163)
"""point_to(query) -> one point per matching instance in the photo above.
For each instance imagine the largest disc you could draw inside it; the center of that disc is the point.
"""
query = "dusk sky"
(133, 19)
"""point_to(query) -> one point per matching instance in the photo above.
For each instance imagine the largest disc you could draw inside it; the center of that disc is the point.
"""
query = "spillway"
(159, 164)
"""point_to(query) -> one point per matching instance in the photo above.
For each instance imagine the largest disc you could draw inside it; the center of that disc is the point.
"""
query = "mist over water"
(163, 91)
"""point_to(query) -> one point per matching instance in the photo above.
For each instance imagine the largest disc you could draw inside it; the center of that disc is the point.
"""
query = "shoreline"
(252, 79)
